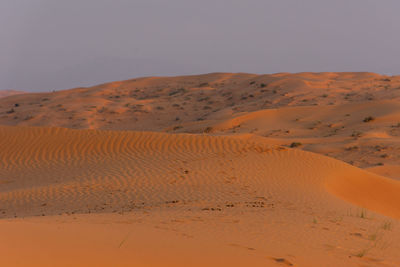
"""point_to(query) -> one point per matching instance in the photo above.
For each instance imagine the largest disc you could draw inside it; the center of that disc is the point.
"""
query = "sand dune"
(392, 171)
(219, 169)
(50, 171)
(329, 106)
(5, 93)
(106, 171)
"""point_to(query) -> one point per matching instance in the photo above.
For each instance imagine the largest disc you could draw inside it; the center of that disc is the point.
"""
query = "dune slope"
(219, 169)
(188, 185)
(105, 170)
(5, 93)
(296, 107)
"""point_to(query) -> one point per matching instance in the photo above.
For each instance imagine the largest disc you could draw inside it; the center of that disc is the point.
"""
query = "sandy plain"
(219, 169)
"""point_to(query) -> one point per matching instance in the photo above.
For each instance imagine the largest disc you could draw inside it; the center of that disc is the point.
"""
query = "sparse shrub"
(159, 108)
(361, 253)
(28, 117)
(178, 91)
(10, 111)
(356, 134)
(373, 237)
(102, 109)
(204, 84)
(16, 105)
(177, 127)
(363, 214)
(204, 99)
(387, 226)
(351, 148)
(263, 85)
(368, 119)
(208, 130)
(295, 144)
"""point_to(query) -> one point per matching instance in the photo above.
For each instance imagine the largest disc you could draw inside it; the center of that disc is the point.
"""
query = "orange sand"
(229, 193)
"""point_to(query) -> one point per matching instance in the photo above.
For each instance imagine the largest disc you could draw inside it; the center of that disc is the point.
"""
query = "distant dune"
(4, 93)
(326, 112)
(211, 170)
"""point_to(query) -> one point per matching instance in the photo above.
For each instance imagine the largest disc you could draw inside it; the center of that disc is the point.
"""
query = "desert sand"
(219, 169)
(4, 93)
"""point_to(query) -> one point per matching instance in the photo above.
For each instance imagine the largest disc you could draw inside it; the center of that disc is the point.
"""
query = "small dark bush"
(368, 119)
(203, 99)
(208, 130)
(295, 144)
(178, 91)
(204, 84)
(356, 134)
(28, 117)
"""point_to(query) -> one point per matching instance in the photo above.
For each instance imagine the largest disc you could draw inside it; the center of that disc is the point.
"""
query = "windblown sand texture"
(217, 169)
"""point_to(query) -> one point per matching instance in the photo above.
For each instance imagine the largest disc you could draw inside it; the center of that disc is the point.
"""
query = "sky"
(59, 44)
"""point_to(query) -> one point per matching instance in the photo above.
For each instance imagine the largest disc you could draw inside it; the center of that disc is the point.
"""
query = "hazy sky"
(59, 44)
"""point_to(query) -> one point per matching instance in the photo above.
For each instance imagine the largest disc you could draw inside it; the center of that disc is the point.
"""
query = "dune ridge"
(297, 107)
(87, 168)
